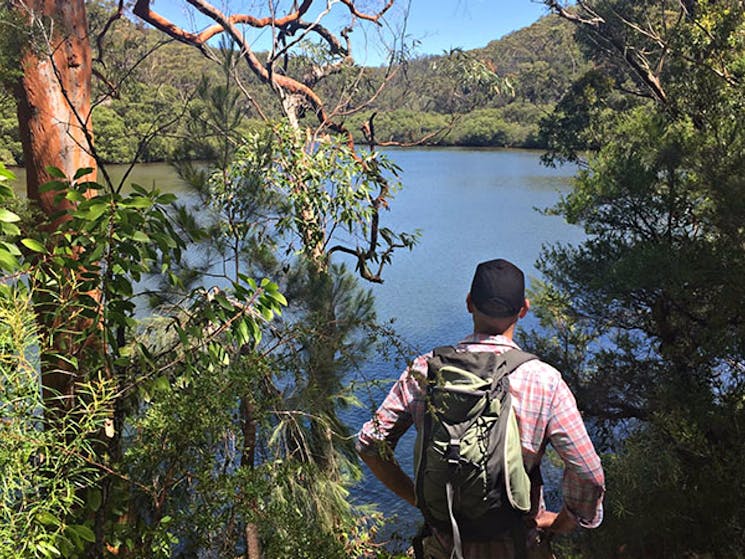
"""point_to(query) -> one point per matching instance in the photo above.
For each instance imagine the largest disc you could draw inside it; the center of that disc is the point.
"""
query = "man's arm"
(390, 422)
(393, 477)
(583, 485)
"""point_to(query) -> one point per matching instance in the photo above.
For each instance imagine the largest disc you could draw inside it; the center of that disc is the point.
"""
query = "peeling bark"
(54, 105)
(54, 96)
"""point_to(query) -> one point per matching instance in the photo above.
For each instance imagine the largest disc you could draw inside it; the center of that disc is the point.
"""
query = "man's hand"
(560, 523)
(390, 473)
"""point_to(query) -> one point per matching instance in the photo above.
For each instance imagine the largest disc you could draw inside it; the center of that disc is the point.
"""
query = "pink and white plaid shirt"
(546, 413)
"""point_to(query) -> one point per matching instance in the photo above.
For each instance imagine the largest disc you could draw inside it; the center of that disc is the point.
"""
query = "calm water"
(471, 205)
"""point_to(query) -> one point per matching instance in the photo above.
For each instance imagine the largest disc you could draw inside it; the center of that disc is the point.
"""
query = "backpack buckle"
(453, 452)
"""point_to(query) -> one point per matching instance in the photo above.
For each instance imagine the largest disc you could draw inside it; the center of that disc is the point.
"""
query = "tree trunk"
(54, 95)
(54, 106)
(248, 460)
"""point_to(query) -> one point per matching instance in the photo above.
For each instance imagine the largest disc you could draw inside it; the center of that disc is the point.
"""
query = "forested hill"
(492, 96)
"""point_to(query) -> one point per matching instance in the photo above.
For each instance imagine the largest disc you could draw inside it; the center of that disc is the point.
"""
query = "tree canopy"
(645, 316)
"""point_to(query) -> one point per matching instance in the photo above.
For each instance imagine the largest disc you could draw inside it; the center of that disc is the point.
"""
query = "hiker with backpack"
(484, 413)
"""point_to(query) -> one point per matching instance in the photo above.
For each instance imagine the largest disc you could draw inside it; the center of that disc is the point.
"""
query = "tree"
(293, 80)
(645, 315)
(287, 420)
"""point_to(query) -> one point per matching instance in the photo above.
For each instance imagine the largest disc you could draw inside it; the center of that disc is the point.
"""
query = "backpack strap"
(513, 358)
(457, 543)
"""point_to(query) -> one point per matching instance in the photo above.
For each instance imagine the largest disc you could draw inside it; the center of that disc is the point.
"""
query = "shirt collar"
(479, 338)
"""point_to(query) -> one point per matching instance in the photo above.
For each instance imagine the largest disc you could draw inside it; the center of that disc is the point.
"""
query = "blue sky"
(444, 24)
(437, 25)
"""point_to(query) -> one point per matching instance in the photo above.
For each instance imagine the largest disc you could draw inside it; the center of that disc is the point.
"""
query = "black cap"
(498, 288)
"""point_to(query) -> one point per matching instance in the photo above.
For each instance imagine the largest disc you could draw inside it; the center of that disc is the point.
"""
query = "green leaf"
(138, 202)
(6, 216)
(82, 172)
(55, 172)
(244, 336)
(6, 174)
(34, 245)
(223, 302)
(71, 359)
(8, 262)
(93, 212)
(11, 248)
(83, 532)
(165, 199)
(10, 229)
(278, 297)
(140, 237)
(47, 518)
(74, 196)
(48, 549)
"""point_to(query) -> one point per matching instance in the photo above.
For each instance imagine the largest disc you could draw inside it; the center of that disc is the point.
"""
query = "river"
(471, 205)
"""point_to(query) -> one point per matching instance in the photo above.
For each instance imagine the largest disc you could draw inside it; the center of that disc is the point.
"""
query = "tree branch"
(142, 10)
(369, 17)
(228, 24)
(636, 60)
(100, 37)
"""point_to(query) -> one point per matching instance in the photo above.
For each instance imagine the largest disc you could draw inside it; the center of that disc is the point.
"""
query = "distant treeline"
(148, 105)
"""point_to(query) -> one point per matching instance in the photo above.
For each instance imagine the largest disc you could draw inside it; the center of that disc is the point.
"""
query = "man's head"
(497, 296)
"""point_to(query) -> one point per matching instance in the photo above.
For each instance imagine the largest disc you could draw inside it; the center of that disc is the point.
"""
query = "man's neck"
(509, 333)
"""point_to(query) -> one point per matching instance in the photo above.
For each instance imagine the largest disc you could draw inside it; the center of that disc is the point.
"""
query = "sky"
(436, 25)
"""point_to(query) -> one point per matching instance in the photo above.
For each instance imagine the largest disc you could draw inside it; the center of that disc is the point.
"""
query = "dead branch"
(368, 130)
(370, 100)
(114, 87)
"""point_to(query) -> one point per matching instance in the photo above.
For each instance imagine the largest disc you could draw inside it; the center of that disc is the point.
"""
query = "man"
(546, 412)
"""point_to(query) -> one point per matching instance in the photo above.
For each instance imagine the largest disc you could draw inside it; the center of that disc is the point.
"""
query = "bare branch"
(636, 60)
(228, 24)
(114, 87)
(99, 39)
(368, 130)
(375, 18)
(381, 87)
(594, 21)
(142, 10)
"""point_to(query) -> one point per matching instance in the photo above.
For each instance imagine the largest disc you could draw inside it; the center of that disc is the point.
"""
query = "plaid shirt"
(546, 412)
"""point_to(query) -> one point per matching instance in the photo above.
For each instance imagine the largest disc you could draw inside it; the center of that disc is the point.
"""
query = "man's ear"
(469, 303)
(525, 309)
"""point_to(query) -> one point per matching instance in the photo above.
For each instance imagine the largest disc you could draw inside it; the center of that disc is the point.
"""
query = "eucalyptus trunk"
(54, 107)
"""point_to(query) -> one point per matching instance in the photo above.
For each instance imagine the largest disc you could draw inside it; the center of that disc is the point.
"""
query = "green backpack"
(470, 479)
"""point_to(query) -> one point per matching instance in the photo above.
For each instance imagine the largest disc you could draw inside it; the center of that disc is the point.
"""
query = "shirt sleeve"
(583, 485)
(395, 415)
